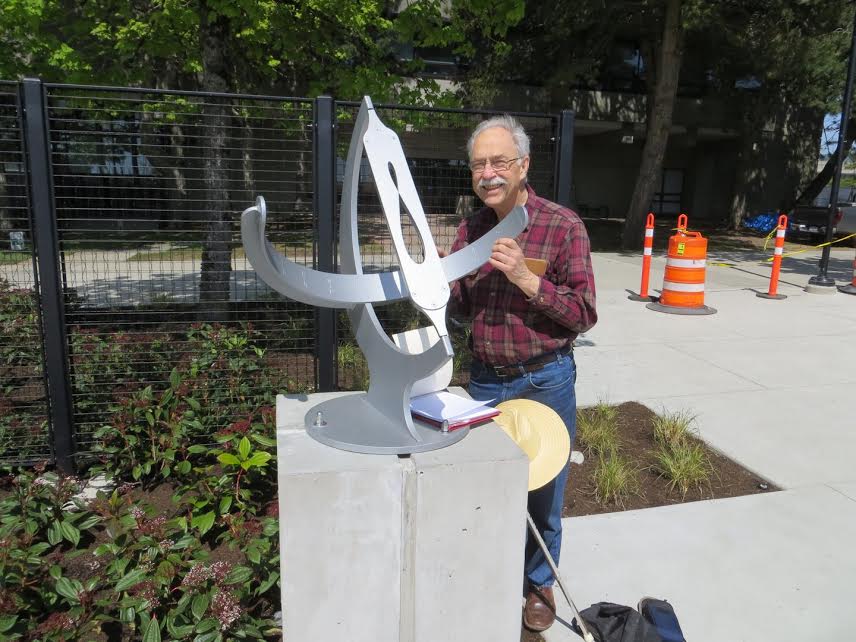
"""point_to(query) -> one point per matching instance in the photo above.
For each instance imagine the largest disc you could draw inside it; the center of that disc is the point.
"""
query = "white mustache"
(493, 182)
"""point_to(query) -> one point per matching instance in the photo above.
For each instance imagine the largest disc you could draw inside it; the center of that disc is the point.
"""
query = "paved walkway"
(773, 385)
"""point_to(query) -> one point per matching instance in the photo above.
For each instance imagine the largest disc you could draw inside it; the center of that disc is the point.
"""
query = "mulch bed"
(637, 443)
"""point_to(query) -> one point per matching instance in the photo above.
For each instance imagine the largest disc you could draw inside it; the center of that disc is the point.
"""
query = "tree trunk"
(658, 126)
(216, 265)
(817, 184)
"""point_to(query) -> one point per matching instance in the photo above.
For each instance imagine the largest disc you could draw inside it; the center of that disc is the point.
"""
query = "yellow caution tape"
(844, 238)
(769, 236)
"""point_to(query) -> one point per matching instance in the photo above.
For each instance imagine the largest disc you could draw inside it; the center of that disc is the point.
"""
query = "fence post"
(564, 158)
(43, 213)
(324, 206)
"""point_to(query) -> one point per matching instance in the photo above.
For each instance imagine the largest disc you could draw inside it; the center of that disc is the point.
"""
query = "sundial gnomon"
(379, 420)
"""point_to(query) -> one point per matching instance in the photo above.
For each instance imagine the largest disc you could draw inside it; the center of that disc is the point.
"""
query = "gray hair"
(509, 124)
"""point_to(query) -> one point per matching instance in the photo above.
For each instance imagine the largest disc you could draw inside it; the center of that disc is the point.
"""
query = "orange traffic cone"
(683, 281)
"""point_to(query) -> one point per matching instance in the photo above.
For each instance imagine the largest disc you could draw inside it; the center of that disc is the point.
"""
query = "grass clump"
(615, 479)
(597, 429)
(685, 465)
(672, 429)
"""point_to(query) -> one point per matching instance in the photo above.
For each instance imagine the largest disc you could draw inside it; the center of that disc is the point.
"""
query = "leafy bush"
(200, 565)
(23, 412)
(154, 433)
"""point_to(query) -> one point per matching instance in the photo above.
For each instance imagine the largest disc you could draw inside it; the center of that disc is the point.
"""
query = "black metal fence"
(123, 268)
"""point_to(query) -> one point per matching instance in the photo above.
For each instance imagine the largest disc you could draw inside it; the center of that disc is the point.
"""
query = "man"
(523, 323)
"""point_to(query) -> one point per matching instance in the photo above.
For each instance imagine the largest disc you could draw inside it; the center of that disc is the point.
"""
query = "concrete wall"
(378, 548)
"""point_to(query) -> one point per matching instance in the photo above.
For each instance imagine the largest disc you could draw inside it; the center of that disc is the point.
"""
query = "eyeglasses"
(498, 164)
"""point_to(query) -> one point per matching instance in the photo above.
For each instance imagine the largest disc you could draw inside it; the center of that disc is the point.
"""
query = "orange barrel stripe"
(777, 255)
(646, 254)
(683, 280)
(853, 283)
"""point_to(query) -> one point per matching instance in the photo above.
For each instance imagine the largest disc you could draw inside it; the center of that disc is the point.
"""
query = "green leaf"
(244, 448)
(65, 587)
(203, 522)
(239, 574)
(264, 441)
(54, 534)
(178, 632)
(197, 449)
(130, 579)
(152, 632)
(225, 503)
(70, 533)
(259, 459)
(127, 614)
(199, 606)
(38, 549)
(207, 637)
(183, 467)
(174, 378)
(208, 624)
(89, 522)
(55, 571)
(269, 582)
(229, 459)
(7, 622)
(254, 555)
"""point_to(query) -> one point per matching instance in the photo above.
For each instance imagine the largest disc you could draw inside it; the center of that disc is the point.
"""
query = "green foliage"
(673, 428)
(203, 565)
(353, 365)
(679, 457)
(615, 479)
(35, 532)
(310, 47)
(23, 421)
(154, 433)
(597, 429)
(685, 465)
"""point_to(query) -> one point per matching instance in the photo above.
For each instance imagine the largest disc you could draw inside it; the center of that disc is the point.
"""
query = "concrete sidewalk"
(773, 386)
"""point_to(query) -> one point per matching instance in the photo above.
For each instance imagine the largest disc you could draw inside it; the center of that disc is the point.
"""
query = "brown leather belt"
(532, 365)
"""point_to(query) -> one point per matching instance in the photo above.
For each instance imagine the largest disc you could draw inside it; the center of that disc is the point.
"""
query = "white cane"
(587, 636)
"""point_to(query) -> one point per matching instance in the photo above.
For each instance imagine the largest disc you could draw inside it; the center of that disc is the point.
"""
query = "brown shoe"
(539, 613)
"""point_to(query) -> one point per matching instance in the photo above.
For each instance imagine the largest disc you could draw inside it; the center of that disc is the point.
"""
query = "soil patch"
(729, 479)
(637, 443)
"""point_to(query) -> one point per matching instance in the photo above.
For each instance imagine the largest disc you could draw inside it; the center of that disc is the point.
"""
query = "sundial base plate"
(352, 423)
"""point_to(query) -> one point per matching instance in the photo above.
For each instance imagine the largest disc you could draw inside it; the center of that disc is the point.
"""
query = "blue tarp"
(762, 222)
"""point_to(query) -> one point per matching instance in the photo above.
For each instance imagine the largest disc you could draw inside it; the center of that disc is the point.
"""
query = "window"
(667, 198)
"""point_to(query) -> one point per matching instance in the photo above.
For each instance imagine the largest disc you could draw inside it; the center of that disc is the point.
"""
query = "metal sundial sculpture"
(379, 420)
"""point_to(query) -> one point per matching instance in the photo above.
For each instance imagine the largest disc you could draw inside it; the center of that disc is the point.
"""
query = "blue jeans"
(552, 385)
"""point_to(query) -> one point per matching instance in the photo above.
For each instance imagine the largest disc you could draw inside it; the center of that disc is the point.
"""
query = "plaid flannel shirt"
(507, 327)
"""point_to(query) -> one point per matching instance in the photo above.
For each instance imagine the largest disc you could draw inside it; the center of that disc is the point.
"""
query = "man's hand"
(507, 257)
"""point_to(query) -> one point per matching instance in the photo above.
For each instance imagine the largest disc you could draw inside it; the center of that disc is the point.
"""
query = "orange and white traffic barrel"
(772, 292)
(647, 249)
(850, 289)
(683, 280)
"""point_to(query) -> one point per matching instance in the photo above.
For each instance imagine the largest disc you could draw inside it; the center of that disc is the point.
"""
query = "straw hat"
(540, 433)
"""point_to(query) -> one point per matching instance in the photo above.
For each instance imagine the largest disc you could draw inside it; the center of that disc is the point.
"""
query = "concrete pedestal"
(382, 548)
